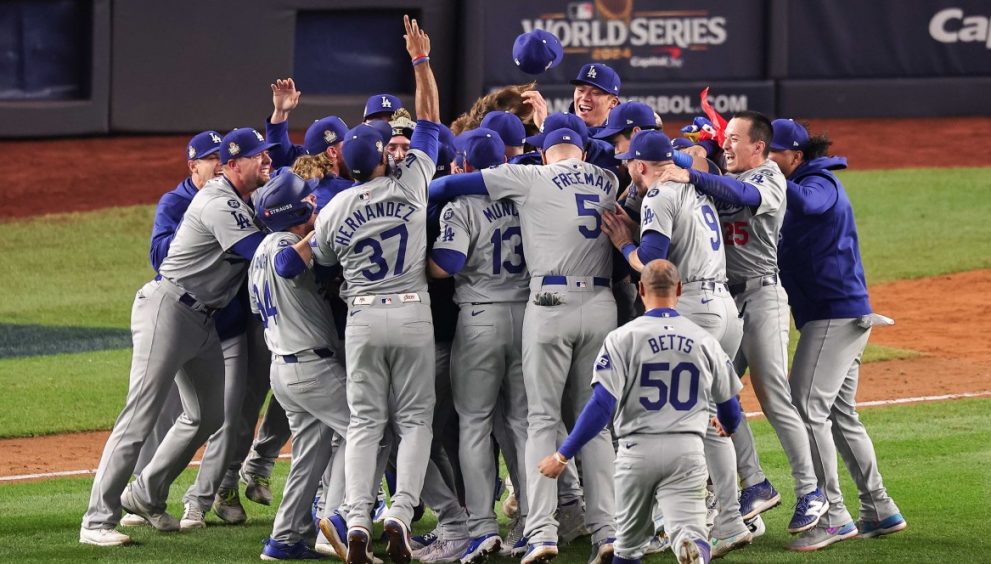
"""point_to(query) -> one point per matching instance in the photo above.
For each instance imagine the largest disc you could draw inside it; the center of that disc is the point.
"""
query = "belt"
(189, 301)
(386, 299)
(756, 282)
(710, 285)
(294, 358)
(563, 281)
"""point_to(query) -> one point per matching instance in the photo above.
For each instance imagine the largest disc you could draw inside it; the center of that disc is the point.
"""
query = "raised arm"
(427, 97)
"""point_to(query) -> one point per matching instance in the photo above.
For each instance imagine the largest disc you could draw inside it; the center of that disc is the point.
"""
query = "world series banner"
(643, 40)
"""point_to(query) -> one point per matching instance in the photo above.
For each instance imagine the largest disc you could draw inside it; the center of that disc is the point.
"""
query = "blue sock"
(704, 549)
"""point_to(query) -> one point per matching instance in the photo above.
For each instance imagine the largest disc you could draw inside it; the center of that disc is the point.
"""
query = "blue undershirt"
(593, 419)
(725, 189)
(653, 246)
(425, 138)
(449, 260)
(246, 247)
(288, 263)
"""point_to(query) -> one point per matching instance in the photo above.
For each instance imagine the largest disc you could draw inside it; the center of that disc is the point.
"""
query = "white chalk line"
(749, 414)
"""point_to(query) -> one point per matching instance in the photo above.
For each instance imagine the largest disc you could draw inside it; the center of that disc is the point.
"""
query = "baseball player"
(819, 257)
(377, 233)
(510, 129)
(751, 205)
(173, 329)
(680, 224)
(659, 374)
(381, 107)
(480, 244)
(570, 311)
(596, 92)
(307, 371)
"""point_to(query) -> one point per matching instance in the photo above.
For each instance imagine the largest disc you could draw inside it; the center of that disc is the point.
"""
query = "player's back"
(295, 316)
(688, 218)
(560, 206)
(751, 237)
(200, 259)
(661, 370)
(378, 232)
(495, 270)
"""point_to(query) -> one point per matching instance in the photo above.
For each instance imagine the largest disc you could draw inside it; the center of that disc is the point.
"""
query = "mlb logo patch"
(386, 301)
(581, 284)
(364, 196)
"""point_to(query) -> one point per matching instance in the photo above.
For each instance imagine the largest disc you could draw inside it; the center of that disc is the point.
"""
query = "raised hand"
(417, 40)
(285, 98)
(536, 101)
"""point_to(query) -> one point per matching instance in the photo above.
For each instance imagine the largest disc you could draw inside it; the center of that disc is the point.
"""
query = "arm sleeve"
(653, 246)
(288, 263)
(425, 138)
(246, 247)
(726, 189)
(168, 215)
(814, 196)
(729, 414)
(285, 153)
(450, 187)
(593, 419)
(450, 260)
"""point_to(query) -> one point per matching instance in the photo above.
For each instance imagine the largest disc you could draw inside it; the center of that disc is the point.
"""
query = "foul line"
(749, 414)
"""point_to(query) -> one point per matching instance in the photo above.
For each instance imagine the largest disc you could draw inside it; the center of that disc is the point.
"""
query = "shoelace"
(230, 496)
(262, 481)
(193, 513)
(427, 539)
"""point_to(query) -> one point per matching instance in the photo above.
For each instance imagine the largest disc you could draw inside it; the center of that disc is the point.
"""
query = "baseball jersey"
(688, 218)
(664, 372)
(295, 316)
(560, 207)
(488, 233)
(201, 260)
(751, 236)
(377, 231)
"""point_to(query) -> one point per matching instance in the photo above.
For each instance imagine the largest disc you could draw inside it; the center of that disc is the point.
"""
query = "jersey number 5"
(378, 258)
(668, 385)
(584, 210)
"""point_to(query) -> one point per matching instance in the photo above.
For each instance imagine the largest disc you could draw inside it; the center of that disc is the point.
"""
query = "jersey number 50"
(668, 385)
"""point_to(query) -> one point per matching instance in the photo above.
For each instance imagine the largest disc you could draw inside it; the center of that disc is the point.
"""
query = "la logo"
(591, 72)
(215, 138)
(386, 103)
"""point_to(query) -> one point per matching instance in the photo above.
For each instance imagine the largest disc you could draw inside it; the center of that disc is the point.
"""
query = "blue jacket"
(171, 208)
(328, 187)
(285, 153)
(819, 253)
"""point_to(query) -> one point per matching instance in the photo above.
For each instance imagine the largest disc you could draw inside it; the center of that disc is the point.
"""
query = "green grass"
(935, 460)
(921, 222)
(59, 394)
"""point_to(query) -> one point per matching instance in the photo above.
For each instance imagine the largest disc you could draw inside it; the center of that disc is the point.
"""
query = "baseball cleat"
(871, 529)
(228, 507)
(657, 543)
(274, 550)
(192, 517)
(479, 549)
(378, 512)
(359, 547)
(335, 529)
(820, 537)
(540, 552)
(257, 488)
(131, 520)
(602, 552)
(756, 526)
(398, 533)
(160, 521)
(722, 547)
(571, 522)
(444, 550)
(808, 510)
(420, 542)
(103, 537)
(758, 498)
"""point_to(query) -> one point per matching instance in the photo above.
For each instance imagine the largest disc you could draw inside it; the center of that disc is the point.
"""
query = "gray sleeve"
(229, 219)
(657, 212)
(725, 384)
(610, 367)
(322, 242)
(511, 181)
(772, 187)
(414, 175)
(455, 228)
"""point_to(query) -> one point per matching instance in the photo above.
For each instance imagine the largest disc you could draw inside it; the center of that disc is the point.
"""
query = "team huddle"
(574, 292)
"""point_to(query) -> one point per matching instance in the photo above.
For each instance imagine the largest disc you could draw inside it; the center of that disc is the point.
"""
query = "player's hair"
(660, 277)
(818, 145)
(508, 98)
(760, 128)
(313, 166)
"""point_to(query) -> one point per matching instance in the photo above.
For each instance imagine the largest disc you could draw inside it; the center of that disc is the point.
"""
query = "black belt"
(189, 301)
(563, 281)
(293, 359)
(766, 280)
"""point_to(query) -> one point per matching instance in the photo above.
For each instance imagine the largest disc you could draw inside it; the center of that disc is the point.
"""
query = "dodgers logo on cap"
(233, 148)
(192, 152)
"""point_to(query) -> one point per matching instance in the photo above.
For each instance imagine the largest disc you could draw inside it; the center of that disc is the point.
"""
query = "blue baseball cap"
(508, 125)
(680, 143)
(382, 103)
(563, 136)
(648, 145)
(536, 51)
(445, 150)
(323, 133)
(483, 148)
(599, 75)
(559, 121)
(243, 142)
(203, 145)
(280, 202)
(626, 116)
(363, 148)
(788, 135)
(459, 149)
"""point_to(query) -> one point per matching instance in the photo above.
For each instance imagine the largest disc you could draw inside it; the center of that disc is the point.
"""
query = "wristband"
(420, 60)
(560, 459)
(627, 249)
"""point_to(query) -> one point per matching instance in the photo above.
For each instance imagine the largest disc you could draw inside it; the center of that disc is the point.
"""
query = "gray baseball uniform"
(751, 238)
(569, 314)
(377, 232)
(173, 329)
(665, 373)
(308, 378)
(491, 290)
(688, 218)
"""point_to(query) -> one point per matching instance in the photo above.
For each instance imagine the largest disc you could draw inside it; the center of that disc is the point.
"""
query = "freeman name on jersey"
(578, 177)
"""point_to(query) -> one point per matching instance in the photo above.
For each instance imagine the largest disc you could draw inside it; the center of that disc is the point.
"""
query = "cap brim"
(606, 133)
(259, 149)
(536, 140)
(578, 82)
(627, 156)
(774, 147)
(212, 151)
